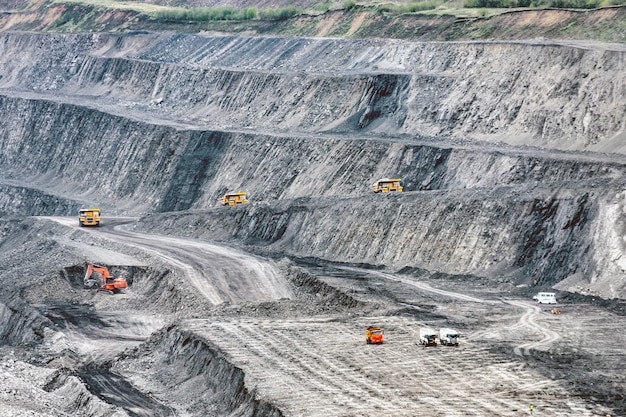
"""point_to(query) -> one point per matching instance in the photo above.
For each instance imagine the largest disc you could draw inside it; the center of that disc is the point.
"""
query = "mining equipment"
(448, 337)
(374, 335)
(428, 337)
(545, 298)
(234, 199)
(89, 217)
(98, 276)
(387, 185)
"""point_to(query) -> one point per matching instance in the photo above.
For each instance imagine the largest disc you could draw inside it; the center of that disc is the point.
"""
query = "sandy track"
(420, 285)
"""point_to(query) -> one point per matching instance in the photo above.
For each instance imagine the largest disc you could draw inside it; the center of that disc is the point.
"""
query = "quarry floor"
(306, 355)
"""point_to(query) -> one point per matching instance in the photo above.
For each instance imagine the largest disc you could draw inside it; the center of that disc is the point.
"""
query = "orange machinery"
(374, 335)
(105, 282)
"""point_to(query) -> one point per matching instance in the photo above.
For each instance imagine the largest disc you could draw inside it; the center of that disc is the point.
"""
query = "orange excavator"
(98, 276)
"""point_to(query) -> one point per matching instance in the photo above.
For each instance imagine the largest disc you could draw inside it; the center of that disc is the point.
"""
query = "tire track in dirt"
(421, 285)
(324, 368)
(528, 320)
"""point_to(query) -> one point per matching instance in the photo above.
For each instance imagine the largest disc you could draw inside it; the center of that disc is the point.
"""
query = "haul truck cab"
(233, 199)
(428, 337)
(387, 185)
(448, 337)
(89, 217)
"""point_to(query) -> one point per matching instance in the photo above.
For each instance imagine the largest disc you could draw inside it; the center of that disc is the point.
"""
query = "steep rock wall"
(124, 163)
(558, 96)
(538, 238)
(16, 200)
(121, 121)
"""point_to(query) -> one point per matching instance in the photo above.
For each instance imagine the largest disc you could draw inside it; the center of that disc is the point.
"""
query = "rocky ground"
(165, 347)
(514, 184)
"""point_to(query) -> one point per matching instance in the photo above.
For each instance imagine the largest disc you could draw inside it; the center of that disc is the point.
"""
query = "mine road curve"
(219, 273)
(528, 319)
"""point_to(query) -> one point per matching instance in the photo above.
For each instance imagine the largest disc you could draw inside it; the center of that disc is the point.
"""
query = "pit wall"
(135, 166)
(140, 167)
(22, 201)
(20, 324)
(180, 362)
(538, 239)
(472, 89)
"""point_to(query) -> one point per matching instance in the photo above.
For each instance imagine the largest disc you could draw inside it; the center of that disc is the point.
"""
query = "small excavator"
(374, 335)
(98, 276)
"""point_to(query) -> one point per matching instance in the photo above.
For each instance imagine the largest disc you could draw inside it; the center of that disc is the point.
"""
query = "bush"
(349, 5)
(279, 13)
(205, 14)
(399, 8)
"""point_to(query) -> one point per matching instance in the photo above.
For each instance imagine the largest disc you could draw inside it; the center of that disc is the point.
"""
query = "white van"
(545, 298)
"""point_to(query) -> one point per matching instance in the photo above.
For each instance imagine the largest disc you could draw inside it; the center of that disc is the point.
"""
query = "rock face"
(557, 96)
(159, 123)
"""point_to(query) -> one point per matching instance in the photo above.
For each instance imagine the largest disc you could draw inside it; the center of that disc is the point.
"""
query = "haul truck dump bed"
(387, 185)
(233, 199)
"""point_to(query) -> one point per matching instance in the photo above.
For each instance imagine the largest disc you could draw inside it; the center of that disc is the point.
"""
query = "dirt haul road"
(220, 274)
(315, 362)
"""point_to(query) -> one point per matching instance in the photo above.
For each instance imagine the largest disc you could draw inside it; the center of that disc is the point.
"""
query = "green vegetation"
(280, 13)
(429, 19)
(460, 8)
(401, 8)
(348, 4)
(207, 14)
(204, 14)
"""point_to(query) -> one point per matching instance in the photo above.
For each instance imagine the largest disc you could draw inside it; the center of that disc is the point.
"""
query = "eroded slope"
(554, 95)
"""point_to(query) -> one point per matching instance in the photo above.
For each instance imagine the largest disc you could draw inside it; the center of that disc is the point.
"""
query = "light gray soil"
(512, 157)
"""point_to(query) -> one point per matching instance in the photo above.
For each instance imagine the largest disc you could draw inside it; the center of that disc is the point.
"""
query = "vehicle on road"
(448, 337)
(386, 185)
(428, 337)
(89, 217)
(98, 276)
(234, 199)
(545, 298)
(374, 335)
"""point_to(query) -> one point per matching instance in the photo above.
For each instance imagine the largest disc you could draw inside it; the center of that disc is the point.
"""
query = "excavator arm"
(105, 282)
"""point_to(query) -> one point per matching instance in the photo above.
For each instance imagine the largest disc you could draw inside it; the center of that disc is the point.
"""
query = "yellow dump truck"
(89, 217)
(387, 185)
(233, 199)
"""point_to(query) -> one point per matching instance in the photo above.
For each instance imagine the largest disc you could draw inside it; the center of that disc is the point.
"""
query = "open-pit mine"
(511, 156)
